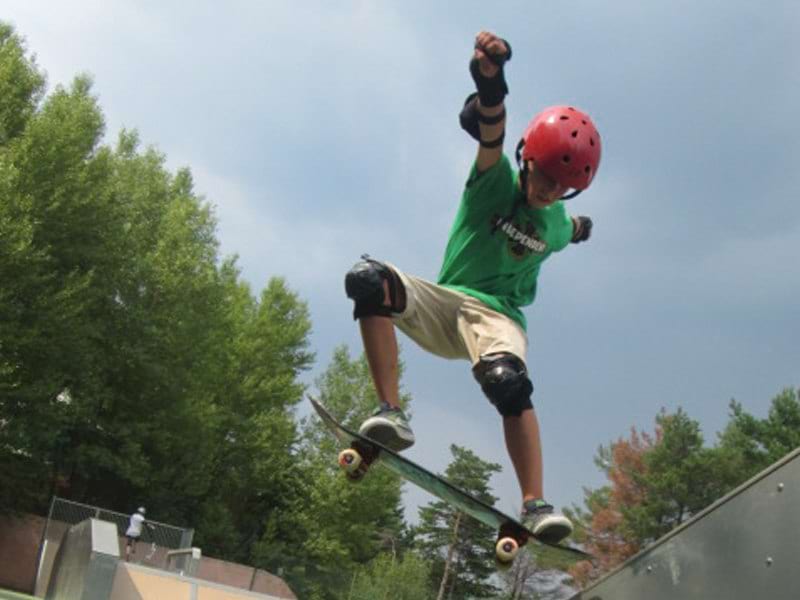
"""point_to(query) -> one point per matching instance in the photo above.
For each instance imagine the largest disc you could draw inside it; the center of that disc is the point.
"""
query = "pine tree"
(459, 548)
(340, 526)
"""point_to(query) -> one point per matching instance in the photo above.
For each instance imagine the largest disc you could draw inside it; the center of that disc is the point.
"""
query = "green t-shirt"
(497, 242)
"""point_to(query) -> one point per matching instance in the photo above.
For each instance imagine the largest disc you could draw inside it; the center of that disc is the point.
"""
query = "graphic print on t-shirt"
(522, 238)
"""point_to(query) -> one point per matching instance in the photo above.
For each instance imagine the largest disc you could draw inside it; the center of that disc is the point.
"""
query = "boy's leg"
(525, 450)
(388, 424)
(503, 377)
(378, 294)
(386, 299)
(497, 347)
(504, 380)
(380, 346)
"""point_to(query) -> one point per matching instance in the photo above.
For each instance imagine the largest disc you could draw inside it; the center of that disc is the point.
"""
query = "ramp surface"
(137, 582)
(745, 546)
(86, 563)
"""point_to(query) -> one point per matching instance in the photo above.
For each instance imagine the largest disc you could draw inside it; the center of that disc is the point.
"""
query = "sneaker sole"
(386, 435)
(553, 532)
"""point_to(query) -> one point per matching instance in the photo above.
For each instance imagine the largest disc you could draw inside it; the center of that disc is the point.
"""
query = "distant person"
(134, 532)
(509, 221)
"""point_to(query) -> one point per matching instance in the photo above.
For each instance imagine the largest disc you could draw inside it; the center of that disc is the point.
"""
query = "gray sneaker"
(388, 426)
(544, 522)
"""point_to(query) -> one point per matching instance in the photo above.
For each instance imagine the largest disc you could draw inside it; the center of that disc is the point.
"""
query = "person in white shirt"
(134, 531)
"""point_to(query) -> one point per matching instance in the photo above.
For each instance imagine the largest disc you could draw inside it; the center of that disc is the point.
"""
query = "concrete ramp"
(745, 546)
(87, 567)
(137, 582)
(86, 562)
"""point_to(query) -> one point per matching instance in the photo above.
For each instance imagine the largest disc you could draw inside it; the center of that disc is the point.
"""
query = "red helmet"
(564, 143)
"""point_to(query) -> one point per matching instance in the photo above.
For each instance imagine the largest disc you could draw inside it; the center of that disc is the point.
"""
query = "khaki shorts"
(452, 324)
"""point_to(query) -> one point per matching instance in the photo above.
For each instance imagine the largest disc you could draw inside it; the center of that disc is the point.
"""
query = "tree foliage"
(459, 548)
(341, 525)
(754, 443)
(135, 366)
(658, 481)
(391, 578)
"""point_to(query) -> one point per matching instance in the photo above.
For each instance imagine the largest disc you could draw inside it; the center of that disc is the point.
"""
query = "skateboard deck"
(360, 452)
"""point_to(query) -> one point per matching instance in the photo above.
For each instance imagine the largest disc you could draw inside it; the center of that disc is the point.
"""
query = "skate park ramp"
(744, 546)
(137, 582)
(88, 567)
(86, 562)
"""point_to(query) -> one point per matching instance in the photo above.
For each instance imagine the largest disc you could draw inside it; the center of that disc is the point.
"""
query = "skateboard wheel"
(349, 460)
(505, 551)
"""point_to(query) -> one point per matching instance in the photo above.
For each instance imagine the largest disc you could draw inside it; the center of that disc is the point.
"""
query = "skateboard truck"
(509, 540)
(356, 459)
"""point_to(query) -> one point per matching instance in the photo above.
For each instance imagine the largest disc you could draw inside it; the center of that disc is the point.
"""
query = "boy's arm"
(484, 115)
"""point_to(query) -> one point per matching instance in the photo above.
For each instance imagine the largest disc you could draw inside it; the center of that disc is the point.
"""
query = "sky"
(323, 130)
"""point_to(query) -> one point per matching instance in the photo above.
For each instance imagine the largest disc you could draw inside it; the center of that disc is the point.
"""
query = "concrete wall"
(50, 546)
(19, 546)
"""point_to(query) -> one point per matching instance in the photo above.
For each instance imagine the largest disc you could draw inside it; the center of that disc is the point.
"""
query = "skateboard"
(360, 453)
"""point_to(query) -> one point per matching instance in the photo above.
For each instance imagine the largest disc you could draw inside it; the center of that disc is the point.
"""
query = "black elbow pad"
(470, 117)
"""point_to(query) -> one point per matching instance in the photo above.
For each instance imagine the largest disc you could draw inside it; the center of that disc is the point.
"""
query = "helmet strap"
(523, 167)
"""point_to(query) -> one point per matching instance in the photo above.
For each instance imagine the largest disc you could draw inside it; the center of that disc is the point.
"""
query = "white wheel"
(349, 460)
(505, 551)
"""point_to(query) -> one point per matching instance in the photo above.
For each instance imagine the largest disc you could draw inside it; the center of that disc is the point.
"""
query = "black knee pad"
(504, 380)
(364, 285)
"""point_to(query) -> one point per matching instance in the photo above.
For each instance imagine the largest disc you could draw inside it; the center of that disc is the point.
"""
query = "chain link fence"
(71, 513)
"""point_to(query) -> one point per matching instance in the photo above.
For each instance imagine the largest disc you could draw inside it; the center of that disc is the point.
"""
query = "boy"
(134, 531)
(507, 224)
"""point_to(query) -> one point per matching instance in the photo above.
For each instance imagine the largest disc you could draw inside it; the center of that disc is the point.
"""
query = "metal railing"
(161, 534)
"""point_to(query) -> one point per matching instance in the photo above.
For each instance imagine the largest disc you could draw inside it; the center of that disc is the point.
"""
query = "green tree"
(682, 477)
(20, 274)
(57, 229)
(391, 578)
(257, 478)
(336, 526)
(656, 483)
(21, 83)
(526, 579)
(460, 549)
(753, 444)
(133, 362)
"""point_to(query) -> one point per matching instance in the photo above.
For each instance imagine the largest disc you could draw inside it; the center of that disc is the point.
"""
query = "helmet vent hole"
(583, 121)
(575, 133)
(591, 141)
(571, 108)
(565, 158)
(587, 169)
(563, 117)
